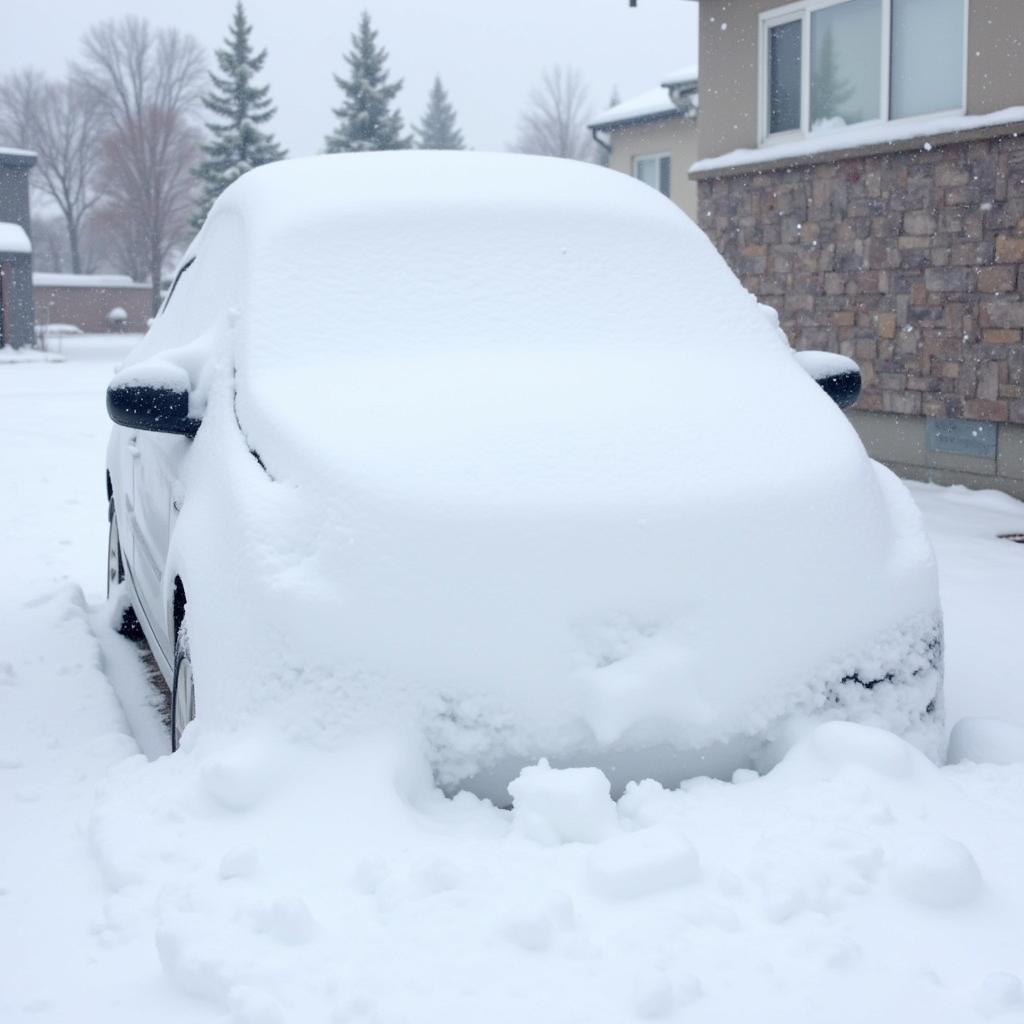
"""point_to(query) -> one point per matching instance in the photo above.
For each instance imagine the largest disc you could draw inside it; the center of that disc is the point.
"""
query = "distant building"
(653, 137)
(95, 303)
(16, 315)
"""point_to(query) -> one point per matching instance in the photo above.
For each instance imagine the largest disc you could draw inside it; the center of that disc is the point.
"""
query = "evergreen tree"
(365, 118)
(438, 129)
(237, 142)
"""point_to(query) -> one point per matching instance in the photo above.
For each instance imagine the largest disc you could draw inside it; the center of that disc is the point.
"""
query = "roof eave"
(626, 122)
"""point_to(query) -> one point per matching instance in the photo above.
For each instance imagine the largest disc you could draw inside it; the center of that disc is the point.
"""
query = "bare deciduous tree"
(554, 122)
(147, 83)
(62, 125)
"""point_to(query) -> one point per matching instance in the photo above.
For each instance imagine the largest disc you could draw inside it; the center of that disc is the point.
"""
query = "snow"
(255, 877)
(986, 739)
(826, 364)
(57, 330)
(681, 76)
(13, 238)
(841, 137)
(652, 103)
(546, 573)
(48, 280)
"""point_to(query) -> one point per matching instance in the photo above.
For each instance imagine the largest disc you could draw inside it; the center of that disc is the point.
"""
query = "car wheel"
(129, 625)
(183, 692)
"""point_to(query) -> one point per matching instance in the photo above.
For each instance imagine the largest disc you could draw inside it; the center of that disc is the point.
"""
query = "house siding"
(729, 66)
(909, 262)
(676, 136)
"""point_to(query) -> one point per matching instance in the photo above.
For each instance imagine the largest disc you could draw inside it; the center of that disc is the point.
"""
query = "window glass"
(654, 171)
(785, 53)
(846, 64)
(927, 56)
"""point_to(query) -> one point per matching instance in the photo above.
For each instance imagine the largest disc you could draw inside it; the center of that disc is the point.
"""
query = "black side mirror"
(163, 410)
(837, 376)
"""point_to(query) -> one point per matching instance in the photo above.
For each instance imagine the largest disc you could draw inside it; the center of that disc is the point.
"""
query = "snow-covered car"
(497, 451)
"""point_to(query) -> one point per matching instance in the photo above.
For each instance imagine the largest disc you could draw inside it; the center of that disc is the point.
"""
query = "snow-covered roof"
(11, 151)
(648, 105)
(681, 76)
(856, 137)
(45, 280)
(13, 238)
(652, 104)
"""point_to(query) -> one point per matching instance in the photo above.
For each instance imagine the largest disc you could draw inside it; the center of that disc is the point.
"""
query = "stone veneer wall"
(910, 262)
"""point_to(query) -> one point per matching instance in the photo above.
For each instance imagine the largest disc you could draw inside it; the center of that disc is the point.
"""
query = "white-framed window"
(829, 64)
(654, 170)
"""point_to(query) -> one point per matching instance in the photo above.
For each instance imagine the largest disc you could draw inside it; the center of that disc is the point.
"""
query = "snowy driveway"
(266, 883)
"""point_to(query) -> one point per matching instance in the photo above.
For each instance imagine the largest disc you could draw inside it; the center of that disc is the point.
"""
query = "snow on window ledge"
(888, 133)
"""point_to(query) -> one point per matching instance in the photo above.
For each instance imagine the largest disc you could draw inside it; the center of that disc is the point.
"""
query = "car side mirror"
(838, 376)
(157, 400)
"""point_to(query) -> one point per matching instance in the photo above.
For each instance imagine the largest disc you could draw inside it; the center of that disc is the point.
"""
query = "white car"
(495, 451)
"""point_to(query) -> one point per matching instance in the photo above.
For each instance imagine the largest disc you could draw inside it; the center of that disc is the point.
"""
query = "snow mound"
(643, 863)
(562, 805)
(837, 747)
(935, 871)
(998, 994)
(986, 741)
(240, 775)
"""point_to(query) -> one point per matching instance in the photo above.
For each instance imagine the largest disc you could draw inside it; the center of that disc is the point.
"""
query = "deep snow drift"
(256, 880)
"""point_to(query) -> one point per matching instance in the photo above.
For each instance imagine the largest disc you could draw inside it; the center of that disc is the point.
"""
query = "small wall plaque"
(961, 437)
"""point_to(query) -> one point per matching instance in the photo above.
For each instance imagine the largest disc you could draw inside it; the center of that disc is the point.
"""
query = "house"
(16, 314)
(862, 170)
(95, 303)
(653, 137)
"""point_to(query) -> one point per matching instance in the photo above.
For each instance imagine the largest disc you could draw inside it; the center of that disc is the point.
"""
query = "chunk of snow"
(241, 773)
(642, 863)
(242, 862)
(999, 993)
(652, 994)
(986, 741)
(935, 871)
(562, 805)
(835, 747)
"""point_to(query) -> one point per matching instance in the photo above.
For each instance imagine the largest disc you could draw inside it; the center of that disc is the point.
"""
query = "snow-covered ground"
(266, 882)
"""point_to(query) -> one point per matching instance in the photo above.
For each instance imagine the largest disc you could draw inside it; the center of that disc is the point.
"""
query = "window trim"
(801, 11)
(661, 155)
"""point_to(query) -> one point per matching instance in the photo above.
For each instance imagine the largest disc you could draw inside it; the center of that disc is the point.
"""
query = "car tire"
(129, 625)
(183, 690)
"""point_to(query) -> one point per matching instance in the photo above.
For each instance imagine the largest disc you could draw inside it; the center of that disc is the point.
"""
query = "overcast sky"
(489, 53)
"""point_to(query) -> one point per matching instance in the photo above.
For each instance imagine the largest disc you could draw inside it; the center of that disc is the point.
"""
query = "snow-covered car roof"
(362, 249)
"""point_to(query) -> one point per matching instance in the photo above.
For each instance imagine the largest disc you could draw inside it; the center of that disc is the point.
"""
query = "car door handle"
(133, 450)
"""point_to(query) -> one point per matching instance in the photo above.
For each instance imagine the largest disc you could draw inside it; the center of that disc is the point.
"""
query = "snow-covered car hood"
(533, 531)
